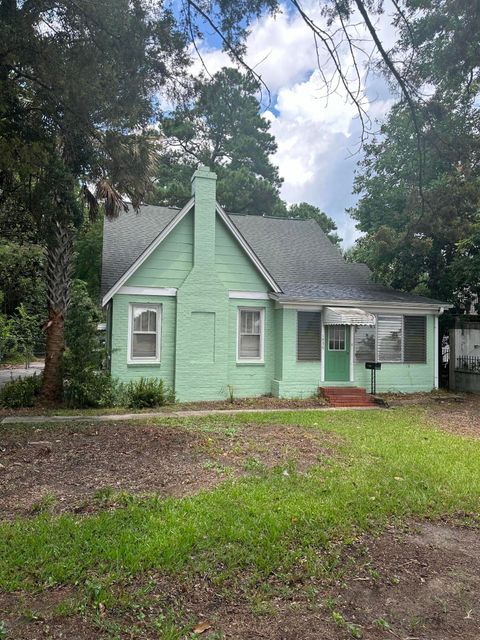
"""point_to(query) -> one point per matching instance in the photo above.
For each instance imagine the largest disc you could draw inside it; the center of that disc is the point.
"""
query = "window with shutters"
(144, 333)
(390, 338)
(309, 335)
(250, 335)
(415, 339)
(365, 347)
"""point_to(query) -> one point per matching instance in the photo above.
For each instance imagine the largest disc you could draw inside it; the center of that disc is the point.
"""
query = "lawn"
(263, 526)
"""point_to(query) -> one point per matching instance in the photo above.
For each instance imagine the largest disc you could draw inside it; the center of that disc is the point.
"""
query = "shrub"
(147, 392)
(21, 393)
(91, 389)
(85, 384)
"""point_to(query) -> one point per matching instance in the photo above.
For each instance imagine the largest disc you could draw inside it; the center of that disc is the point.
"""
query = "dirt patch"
(420, 584)
(62, 468)
(460, 418)
(455, 412)
(424, 584)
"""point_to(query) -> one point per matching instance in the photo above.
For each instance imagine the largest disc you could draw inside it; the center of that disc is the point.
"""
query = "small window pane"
(336, 338)
(365, 344)
(152, 320)
(144, 345)
(137, 319)
(250, 346)
(144, 321)
(389, 333)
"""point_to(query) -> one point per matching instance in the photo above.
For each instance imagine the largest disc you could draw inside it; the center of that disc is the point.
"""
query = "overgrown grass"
(389, 465)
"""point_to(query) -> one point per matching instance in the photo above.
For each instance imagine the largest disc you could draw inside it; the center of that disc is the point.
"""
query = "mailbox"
(373, 367)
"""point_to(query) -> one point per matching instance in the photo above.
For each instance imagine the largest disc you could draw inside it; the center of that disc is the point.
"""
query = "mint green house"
(210, 301)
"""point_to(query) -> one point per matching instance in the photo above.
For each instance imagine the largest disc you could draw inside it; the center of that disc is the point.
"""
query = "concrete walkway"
(113, 417)
(14, 372)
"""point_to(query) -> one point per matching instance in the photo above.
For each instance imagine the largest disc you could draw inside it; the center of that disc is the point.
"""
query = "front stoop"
(347, 397)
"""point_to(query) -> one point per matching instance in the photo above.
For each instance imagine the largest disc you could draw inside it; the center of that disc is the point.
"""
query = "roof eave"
(148, 251)
(293, 300)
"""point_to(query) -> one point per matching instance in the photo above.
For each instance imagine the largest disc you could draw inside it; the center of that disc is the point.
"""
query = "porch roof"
(346, 315)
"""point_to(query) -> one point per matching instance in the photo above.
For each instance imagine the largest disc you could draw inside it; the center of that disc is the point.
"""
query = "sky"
(318, 138)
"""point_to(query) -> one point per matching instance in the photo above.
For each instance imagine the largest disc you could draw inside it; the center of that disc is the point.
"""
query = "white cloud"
(315, 136)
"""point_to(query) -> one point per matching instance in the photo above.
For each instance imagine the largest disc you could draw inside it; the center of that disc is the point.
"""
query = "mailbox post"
(373, 367)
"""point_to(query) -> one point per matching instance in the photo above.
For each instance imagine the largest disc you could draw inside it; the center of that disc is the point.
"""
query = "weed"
(45, 505)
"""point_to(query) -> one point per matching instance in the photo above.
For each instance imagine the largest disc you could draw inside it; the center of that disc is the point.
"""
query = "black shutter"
(415, 339)
(309, 335)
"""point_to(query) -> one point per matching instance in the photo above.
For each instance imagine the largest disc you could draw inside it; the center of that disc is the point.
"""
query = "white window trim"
(261, 359)
(158, 309)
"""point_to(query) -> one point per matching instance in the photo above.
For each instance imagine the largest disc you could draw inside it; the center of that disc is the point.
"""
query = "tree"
(222, 127)
(88, 256)
(406, 245)
(305, 211)
(77, 84)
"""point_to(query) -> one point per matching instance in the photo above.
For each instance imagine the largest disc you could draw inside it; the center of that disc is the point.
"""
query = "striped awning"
(348, 315)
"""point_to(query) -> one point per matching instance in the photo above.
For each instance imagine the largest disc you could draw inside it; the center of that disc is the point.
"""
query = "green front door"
(337, 353)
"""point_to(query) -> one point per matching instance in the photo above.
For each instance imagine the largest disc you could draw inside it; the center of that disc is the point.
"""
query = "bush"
(92, 389)
(147, 392)
(85, 384)
(21, 393)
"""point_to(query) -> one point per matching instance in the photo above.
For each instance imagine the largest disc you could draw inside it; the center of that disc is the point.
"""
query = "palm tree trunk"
(52, 386)
(59, 267)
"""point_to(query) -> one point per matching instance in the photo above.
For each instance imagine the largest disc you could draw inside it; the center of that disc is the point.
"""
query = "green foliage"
(21, 275)
(412, 244)
(221, 127)
(147, 392)
(6, 338)
(88, 257)
(85, 384)
(26, 332)
(20, 393)
(305, 211)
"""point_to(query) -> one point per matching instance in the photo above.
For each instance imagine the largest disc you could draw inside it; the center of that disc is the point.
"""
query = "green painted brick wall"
(251, 379)
(293, 379)
(233, 267)
(171, 263)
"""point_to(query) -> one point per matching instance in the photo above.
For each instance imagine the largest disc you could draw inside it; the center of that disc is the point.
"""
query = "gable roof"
(295, 255)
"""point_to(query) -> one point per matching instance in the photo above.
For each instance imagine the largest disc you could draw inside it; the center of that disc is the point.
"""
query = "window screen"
(365, 344)
(309, 335)
(415, 340)
(250, 338)
(389, 336)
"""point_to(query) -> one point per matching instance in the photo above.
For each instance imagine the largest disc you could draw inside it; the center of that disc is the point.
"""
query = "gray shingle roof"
(297, 254)
(369, 292)
(298, 251)
(125, 239)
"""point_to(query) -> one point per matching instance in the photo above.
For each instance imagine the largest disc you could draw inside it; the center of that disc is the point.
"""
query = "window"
(365, 344)
(415, 339)
(309, 335)
(144, 333)
(336, 338)
(389, 338)
(250, 335)
(394, 339)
